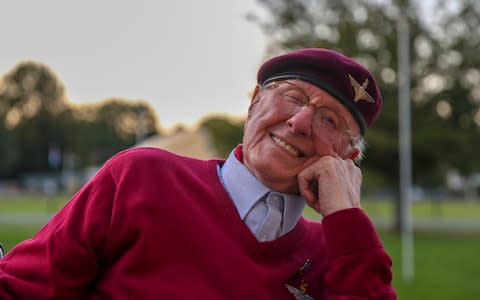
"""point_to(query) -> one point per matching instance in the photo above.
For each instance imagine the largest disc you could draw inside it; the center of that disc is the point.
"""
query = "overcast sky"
(187, 58)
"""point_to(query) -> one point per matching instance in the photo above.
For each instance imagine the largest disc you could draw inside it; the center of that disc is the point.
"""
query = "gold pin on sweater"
(298, 294)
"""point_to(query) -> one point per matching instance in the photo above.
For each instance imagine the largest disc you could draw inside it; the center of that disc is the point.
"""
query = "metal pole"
(403, 40)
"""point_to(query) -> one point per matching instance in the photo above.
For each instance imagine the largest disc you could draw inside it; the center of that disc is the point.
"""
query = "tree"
(38, 126)
(98, 131)
(225, 134)
(31, 99)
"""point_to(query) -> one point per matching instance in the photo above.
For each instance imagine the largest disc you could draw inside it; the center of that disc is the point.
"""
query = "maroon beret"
(340, 76)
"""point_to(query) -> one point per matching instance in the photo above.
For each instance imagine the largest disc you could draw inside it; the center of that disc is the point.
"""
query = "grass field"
(32, 204)
(446, 264)
(10, 235)
(378, 208)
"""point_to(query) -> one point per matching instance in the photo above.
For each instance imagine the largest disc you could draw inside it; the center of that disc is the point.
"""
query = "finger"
(305, 190)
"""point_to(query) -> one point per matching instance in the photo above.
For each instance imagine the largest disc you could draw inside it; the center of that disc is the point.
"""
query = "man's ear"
(253, 99)
(255, 92)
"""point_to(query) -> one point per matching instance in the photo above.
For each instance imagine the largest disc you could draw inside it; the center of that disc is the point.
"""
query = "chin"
(284, 184)
(289, 189)
(274, 169)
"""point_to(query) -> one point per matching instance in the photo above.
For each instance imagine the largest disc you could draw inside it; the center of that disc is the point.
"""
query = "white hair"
(360, 145)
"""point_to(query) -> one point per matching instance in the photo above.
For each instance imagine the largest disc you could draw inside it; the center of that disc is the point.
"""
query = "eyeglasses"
(326, 122)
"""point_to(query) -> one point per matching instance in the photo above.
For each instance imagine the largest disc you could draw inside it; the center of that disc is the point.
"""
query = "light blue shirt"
(247, 193)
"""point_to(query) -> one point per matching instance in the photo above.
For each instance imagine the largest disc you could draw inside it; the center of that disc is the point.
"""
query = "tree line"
(41, 131)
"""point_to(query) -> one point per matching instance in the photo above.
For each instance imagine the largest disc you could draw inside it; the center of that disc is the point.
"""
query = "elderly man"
(154, 225)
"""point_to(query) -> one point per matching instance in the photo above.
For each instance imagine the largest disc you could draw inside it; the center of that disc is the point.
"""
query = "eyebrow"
(298, 88)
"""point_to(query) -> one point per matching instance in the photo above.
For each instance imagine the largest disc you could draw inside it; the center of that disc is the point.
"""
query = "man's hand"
(331, 184)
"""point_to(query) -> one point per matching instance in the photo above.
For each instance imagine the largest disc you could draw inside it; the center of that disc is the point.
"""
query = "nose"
(301, 121)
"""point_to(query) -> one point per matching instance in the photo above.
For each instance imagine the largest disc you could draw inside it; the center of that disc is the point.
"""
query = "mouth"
(287, 147)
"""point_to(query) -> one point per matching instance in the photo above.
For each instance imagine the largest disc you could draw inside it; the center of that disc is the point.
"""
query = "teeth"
(286, 146)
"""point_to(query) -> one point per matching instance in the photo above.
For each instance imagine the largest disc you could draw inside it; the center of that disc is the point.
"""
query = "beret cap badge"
(361, 90)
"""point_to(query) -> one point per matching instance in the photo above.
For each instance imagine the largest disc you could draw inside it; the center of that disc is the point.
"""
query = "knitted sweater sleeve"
(63, 258)
(358, 266)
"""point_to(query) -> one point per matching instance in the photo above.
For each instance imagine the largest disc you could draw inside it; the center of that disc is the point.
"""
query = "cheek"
(266, 114)
(323, 146)
(260, 117)
(251, 134)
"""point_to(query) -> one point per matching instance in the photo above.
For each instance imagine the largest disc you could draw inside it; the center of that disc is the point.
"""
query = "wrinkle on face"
(275, 154)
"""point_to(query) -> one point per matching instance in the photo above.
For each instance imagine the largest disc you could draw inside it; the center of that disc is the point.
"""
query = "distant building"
(196, 144)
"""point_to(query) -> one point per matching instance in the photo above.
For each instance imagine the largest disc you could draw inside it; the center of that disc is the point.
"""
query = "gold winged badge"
(360, 90)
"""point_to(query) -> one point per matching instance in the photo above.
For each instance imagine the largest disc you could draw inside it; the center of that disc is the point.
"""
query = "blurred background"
(82, 81)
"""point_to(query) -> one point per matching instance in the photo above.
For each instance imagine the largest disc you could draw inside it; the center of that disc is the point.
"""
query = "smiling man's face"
(280, 142)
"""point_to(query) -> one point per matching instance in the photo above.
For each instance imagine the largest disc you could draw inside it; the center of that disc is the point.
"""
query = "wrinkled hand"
(331, 184)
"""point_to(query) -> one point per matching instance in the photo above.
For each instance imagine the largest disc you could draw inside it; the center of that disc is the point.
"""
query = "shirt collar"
(236, 177)
(245, 190)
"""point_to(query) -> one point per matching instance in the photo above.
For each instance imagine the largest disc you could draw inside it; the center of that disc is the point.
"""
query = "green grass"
(32, 204)
(420, 209)
(11, 235)
(377, 208)
(446, 264)
(427, 208)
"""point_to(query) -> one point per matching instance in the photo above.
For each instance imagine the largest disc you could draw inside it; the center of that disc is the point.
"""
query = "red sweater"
(153, 225)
